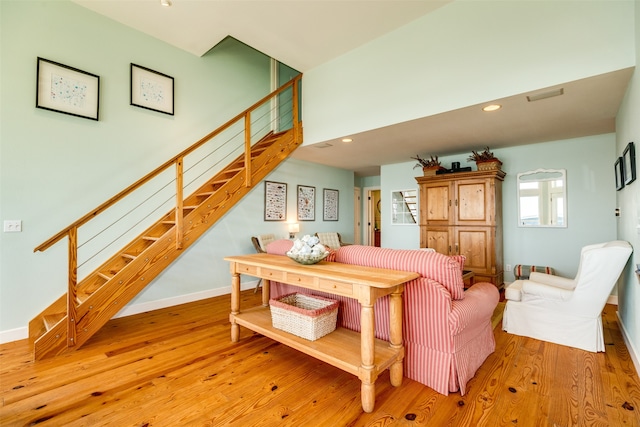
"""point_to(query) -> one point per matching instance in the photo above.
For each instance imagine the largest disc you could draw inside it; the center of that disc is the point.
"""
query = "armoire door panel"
(473, 244)
(471, 202)
(438, 240)
(461, 213)
(437, 203)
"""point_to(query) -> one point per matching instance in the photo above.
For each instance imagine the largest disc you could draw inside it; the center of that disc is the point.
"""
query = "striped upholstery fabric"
(446, 339)
(279, 247)
(432, 265)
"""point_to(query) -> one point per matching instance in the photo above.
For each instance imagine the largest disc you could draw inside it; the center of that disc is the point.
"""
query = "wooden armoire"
(461, 214)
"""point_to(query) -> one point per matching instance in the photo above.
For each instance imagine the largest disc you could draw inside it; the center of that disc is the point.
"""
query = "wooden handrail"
(83, 220)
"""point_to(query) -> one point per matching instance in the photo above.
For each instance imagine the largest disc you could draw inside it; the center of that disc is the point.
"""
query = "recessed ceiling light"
(347, 140)
(492, 107)
(166, 3)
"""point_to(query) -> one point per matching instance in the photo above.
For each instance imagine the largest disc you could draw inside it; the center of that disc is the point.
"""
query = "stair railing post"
(247, 149)
(179, 203)
(72, 283)
(295, 118)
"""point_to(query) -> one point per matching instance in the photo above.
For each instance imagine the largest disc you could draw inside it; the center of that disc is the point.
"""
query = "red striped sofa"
(447, 331)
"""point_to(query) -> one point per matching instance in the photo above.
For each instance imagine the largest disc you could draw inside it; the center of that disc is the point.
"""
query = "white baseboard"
(23, 333)
(633, 352)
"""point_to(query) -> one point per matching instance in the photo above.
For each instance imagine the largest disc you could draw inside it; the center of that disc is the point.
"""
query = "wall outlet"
(507, 267)
(12, 225)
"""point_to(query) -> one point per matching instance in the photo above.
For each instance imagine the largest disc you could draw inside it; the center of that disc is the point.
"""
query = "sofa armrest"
(531, 288)
(551, 280)
(477, 306)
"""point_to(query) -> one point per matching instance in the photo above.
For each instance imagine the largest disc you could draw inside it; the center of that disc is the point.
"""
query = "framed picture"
(275, 201)
(306, 203)
(619, 170)
(330, 207)
(151, 90)
(629, 163)
(67, 90)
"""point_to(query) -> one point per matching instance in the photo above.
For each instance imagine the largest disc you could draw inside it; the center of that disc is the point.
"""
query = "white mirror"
(542, 198)
(404, 207)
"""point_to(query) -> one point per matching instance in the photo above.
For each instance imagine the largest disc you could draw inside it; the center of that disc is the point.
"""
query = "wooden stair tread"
(92, 292)
(50, 320)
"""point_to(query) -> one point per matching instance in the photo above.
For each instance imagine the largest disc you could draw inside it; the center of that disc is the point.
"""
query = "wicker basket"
(309, 317)
(490, 165)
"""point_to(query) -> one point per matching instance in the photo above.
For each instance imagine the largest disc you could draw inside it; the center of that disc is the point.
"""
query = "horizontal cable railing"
(136, 207)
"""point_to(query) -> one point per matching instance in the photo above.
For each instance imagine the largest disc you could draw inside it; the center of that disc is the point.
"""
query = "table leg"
(395, 334)
(367, 354)
(235, 306)
(266, 285)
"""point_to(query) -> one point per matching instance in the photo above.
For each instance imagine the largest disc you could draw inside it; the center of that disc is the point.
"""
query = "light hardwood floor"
(178, 367)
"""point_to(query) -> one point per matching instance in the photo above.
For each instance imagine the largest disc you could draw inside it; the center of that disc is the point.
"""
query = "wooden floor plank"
(178, 366)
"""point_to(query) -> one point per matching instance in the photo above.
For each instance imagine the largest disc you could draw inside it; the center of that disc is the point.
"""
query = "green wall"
(628, 200)
(55, 168)
(466, 53)
(590, 194)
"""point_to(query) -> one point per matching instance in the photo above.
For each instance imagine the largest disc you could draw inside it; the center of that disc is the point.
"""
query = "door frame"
(368, 215)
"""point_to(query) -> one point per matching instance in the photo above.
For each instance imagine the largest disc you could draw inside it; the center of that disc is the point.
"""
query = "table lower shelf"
(340, 348)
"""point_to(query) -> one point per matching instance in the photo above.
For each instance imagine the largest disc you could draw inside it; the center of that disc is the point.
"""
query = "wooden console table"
(359, 354)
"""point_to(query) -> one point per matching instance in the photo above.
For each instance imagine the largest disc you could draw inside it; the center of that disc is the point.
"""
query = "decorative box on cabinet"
(461, 214)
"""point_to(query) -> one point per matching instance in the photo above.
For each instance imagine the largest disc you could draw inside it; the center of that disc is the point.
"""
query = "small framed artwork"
(151, 90)
(629, 163)
(306, 203)
(330, 207)
(67, 90)
(275, 201)
(619, 170)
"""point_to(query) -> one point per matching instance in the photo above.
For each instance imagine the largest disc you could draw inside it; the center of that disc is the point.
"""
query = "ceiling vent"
(323, 145)
(545, 95)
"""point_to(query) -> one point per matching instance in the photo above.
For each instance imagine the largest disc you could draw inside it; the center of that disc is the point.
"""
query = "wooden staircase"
(74, 317)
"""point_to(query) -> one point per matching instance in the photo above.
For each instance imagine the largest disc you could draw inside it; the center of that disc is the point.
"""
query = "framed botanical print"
(275, 201)
(629, 163)
(67, 90)
(306, 203)
(619, 171)
(330, 206)
(151, 90)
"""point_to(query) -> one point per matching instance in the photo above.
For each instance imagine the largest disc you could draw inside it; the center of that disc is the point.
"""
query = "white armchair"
(567, 311)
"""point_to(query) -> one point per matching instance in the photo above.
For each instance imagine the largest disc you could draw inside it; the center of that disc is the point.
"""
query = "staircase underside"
(109, 288)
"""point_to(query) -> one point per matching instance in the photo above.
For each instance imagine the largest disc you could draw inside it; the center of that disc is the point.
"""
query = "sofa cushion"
(443, 269)
(279, 247)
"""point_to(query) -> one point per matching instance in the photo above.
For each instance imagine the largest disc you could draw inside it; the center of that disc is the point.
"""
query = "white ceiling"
(311, 32)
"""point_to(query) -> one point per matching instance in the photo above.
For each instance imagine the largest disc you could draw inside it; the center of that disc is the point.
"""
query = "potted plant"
(485, 160)
(429, 166)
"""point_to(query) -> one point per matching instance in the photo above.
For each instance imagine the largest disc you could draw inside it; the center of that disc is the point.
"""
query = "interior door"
(357, 215)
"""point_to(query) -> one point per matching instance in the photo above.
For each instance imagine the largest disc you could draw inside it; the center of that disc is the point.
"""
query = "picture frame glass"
(629, 164)
(331, 203)
(151, 90)
(619, 174)
(275, 201)
(67, 90)
(306, 203)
